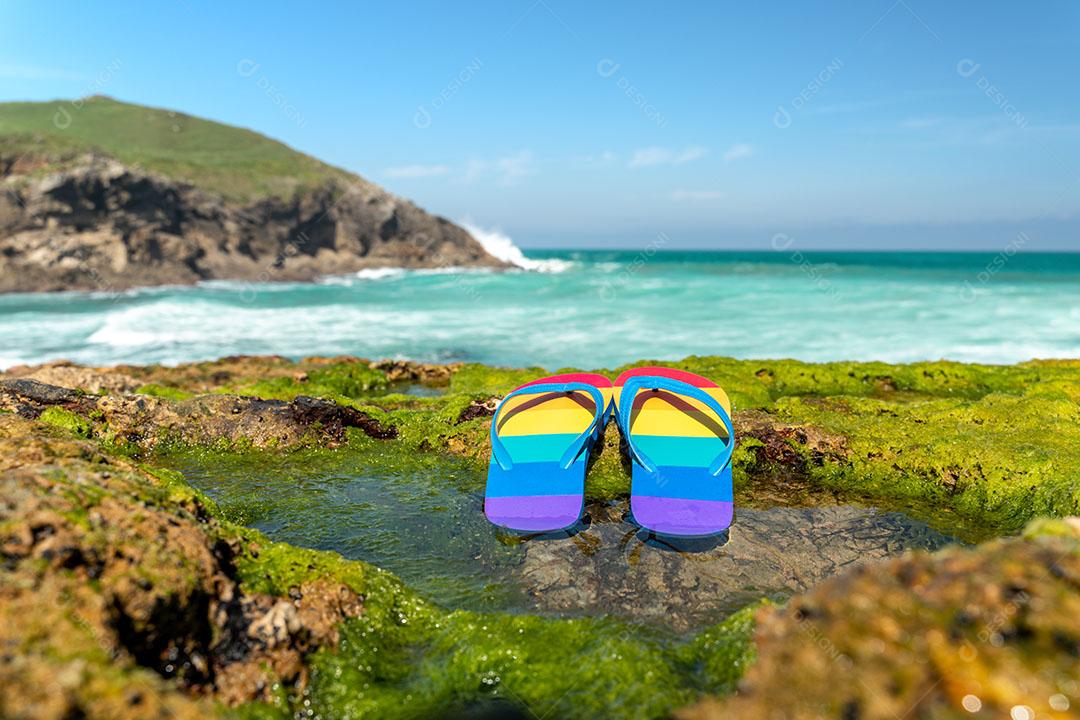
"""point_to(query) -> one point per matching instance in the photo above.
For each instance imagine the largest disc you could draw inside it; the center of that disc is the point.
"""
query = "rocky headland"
(116, 200)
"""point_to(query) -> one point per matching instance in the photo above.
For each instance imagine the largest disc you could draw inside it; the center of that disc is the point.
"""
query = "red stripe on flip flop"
(686, 377)
(594, 379)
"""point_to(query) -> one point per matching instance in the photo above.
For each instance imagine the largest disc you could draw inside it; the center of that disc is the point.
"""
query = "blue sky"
(876, 124)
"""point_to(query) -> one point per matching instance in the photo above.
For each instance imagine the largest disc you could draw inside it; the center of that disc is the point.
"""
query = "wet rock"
(398, 371)
(100, 561)
(25, 395)
(789, 445)
(333, 419)
(615, 568)
(148, 421)
(478, 409)
(264, 631)
(69, 375)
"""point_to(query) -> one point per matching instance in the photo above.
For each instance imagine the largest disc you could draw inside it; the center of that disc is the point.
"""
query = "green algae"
(346, 380)
(1053, 527)
(998, 445)
(67, 420)
(180, 492)
(163, 391)
(406, 657)
(474, 379)
(569, 668)
(721, 654)
(1003, 459)
(759, 383)
(993, 443)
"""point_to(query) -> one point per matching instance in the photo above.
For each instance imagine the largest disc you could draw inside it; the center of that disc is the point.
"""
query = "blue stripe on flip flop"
(679, 450)
(537, 448)
(686, 483)
(539, 478)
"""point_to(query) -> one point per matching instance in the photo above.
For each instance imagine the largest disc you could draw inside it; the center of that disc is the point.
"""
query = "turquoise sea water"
(588, 309)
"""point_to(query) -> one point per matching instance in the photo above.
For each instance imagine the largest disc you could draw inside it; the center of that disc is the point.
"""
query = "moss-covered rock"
(66, 420)
(141, 597)
(149, 422)
(991, 442)
(136, 581)
(109, 565)
(984, 632)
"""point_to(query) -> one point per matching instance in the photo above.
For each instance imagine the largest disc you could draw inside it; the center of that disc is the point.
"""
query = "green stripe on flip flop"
(538, 448)
(671, 450)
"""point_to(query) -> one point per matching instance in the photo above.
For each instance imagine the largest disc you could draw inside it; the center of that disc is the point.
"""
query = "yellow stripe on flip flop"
(559, 414)
(657, 415)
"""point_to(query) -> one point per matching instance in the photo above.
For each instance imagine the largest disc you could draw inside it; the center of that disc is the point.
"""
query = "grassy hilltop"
(239, 164)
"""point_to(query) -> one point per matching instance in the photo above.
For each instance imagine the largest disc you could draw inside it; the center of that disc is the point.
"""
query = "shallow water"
(424, 521)
(601, 309)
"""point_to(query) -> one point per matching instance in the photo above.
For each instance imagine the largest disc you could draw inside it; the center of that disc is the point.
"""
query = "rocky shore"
(102, 195)
(126, 592)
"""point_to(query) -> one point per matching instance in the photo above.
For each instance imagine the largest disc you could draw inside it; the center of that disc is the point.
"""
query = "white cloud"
(474, 169)
(650, 156)
(696, 195)
(738, 151)
(505, 170)
(512, 168)
(657, 155)
(417, 171)
(605, 158)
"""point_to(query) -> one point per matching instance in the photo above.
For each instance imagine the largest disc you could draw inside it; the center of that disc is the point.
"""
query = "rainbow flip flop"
(541, 435)
(677, 428)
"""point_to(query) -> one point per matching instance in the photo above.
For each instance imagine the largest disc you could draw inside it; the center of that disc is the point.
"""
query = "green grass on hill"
(240, 164)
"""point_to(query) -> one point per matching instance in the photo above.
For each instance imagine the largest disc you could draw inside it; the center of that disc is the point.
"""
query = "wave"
(499, 245)
(11, 361)
(396, 273)
(379, 273)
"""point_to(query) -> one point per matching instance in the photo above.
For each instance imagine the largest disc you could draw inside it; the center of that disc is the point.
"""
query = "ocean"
(588, 309)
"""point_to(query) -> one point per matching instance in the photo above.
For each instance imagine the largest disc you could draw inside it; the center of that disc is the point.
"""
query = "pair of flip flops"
(676, 428)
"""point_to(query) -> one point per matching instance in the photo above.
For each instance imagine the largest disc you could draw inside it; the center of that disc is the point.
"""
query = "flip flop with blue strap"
(541, 436)
(677, 429)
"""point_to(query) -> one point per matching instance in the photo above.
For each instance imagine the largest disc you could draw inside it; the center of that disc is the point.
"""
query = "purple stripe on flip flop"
(534, 512)
(676, 516)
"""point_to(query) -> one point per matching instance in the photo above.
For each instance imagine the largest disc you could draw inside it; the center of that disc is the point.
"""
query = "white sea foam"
(499, 245)
(525, 318)
(380, 273)
(7, 361)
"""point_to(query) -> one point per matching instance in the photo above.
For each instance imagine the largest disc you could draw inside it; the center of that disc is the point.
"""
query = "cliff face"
(101, 225)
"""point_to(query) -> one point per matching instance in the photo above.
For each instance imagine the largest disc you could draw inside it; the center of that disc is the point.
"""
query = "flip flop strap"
(502, 455)
(638, 383)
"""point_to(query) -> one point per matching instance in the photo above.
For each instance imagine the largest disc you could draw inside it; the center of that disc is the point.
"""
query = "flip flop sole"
(684, 516)
(682, 437)
(536, 494)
